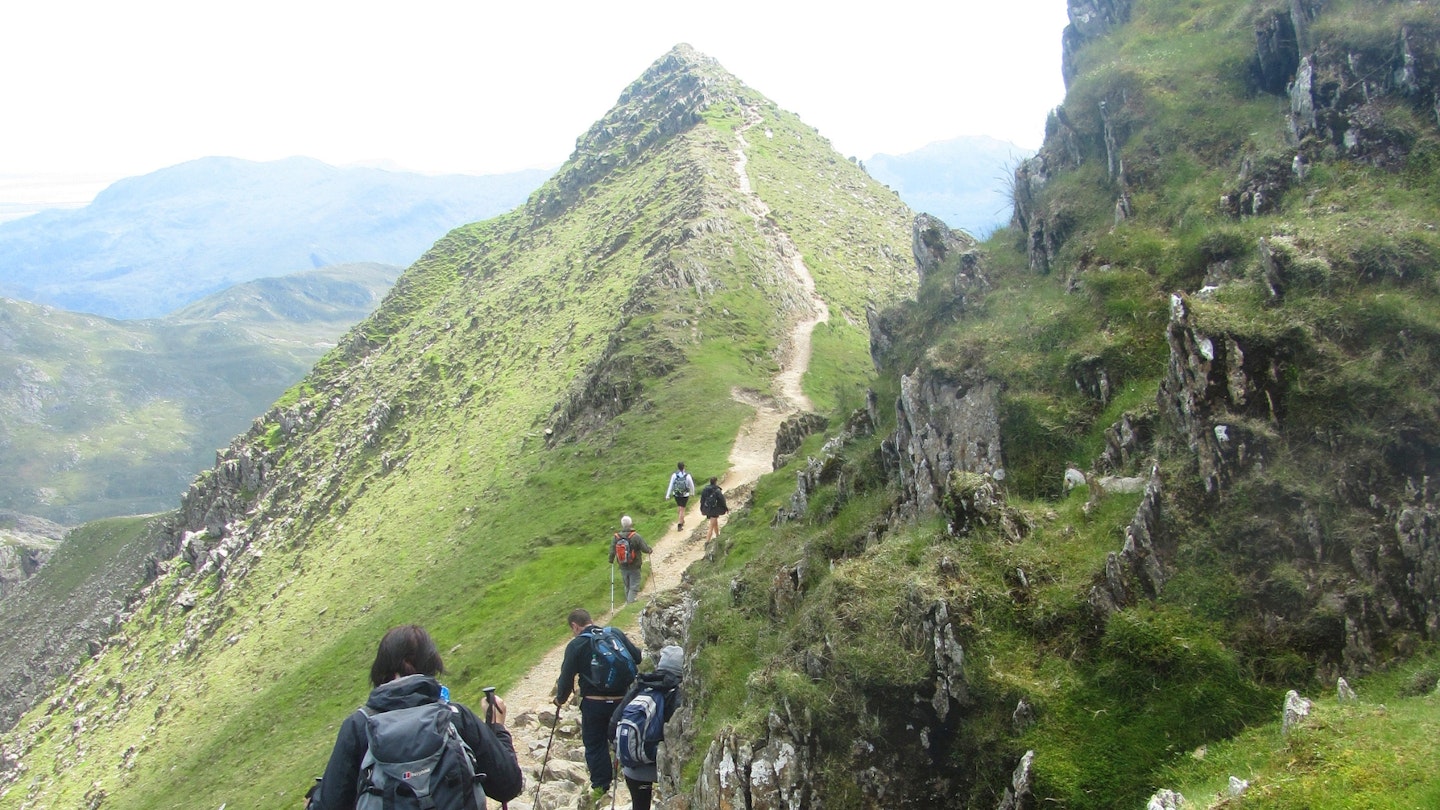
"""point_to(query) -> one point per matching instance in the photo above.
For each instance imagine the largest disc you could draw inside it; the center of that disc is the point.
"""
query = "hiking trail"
(529, 703)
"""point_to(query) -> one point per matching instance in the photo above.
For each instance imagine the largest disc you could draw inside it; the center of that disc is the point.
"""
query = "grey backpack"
(416, 759)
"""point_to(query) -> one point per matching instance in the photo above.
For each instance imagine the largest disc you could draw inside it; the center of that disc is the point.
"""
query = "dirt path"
(529, 702)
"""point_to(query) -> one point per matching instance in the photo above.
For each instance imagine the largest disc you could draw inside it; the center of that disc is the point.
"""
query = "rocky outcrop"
(26, 542)
(1135, 571)
(1220, 396)
(943, 426)
(1089, 20)
(935, 242)
(792, 433)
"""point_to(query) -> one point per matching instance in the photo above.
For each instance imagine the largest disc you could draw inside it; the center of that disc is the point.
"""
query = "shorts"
(681, 500)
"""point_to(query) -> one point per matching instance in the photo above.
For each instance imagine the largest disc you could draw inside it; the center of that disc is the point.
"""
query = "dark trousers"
(640, 793)
(595, 731)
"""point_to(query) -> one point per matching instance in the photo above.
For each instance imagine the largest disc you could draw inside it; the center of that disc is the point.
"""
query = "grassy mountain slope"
(1195, 287)
(148, 245)
(101, 417)
(411, 477)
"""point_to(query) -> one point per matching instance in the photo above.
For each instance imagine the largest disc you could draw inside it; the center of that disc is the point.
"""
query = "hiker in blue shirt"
(597, 701)
(681, 487)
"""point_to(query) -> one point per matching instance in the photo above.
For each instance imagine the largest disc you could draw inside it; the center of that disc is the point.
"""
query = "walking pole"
(546, 761)
(615, 776)
(490, 718)
(612, 586)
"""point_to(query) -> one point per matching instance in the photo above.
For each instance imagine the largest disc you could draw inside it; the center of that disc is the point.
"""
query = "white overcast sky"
(104, 89)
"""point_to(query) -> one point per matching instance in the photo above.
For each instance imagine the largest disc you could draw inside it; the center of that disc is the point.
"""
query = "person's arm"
(669, 486)
(645, 547)
(613, 542)
(568, 670)
(342, 773)
(494, 755)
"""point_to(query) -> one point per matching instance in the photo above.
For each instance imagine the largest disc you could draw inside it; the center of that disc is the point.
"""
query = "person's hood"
(403, 693)
(661, 679)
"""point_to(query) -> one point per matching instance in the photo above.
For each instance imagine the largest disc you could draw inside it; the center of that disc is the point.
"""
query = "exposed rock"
(792, 434)
(1089, 20)
(944, 427)
(1236, 787)
(934, 242)
(950, 685)
(1295, 711)
(1165, 799)
(1136, 569)
(971, 500)
(1277, 53)
(1209, 378)
(1344, 693)
(1020, 794)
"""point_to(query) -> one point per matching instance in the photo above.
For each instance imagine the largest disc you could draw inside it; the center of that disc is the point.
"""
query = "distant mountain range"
(151, 244)
(102, 417)
(963, 181)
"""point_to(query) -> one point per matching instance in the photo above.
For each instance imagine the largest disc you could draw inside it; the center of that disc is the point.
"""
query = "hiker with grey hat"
(638, 725)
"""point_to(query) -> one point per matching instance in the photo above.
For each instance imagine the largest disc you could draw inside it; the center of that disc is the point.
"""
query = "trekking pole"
(615, 776)
(535, 805)
(612, 586)
(490, 718)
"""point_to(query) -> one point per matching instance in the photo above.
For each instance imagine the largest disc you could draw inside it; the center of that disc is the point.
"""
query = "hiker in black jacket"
(712, 505)
(596, 705)
(403, 675)
(665, 679)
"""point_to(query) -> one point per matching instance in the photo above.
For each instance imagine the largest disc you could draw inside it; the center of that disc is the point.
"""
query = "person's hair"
(405, 650)
(680, 465)
(581, 617)
(712, 479)
(626, 522)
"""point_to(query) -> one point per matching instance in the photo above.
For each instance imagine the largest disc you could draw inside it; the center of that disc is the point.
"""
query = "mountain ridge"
(653, 278)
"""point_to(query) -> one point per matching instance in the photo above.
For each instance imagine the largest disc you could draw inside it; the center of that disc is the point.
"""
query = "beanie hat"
(672, 659)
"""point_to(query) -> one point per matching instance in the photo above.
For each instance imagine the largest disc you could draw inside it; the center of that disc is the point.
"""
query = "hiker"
(681, 487)
(640, 778)
(625, 549)
(403, 677)
(712, 505)
(587, 655)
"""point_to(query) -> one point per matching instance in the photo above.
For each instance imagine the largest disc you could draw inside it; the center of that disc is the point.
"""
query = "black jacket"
(577, 662)
(712, 501)
(490, 742)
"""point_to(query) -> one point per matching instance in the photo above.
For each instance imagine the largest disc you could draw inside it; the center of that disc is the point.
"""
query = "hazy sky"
(103, 89)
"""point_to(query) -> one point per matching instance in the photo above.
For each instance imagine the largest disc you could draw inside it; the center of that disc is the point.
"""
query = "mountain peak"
(669, 98)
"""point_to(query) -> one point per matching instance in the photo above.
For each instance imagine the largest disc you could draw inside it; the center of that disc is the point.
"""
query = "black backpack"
(415, 758)
(611, 667)
(710, 500)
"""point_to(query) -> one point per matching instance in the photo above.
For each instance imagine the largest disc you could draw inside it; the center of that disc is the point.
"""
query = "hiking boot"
(680, 525)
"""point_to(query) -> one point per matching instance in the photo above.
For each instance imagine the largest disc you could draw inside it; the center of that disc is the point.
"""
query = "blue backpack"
(641, 728)
(611, 667)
